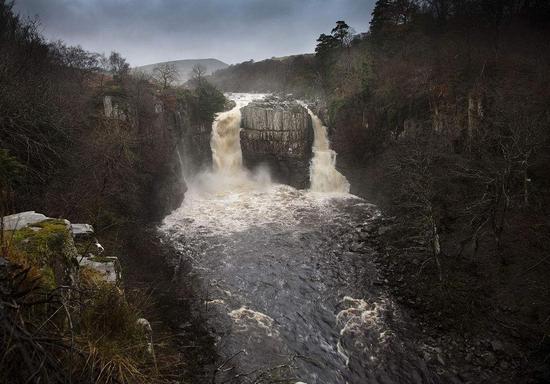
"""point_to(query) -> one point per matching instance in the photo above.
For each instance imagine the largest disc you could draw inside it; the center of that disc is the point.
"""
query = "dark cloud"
(230, 30)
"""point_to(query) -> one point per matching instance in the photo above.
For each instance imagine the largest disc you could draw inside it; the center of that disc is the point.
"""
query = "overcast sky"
(150, 31)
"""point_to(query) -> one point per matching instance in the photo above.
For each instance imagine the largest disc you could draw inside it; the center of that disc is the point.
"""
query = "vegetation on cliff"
(61, 322)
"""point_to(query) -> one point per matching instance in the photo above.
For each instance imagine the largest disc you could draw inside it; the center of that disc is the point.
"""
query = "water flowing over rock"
(278, 134)
(323, 174)
(225, 143)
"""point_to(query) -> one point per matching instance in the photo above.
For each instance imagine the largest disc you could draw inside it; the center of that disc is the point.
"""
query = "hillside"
(290, 74)
(185, 67)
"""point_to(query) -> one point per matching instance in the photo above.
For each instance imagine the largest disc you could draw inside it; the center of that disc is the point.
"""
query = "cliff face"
(278, 134)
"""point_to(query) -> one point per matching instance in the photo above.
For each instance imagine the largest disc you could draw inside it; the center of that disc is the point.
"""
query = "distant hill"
(289, 74)
(290, 57)
(185, 67)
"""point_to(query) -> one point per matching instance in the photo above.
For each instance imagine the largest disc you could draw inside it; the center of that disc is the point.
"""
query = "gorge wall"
(278, 134)
(175, 144)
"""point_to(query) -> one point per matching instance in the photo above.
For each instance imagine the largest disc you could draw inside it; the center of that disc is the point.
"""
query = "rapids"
(289, 289)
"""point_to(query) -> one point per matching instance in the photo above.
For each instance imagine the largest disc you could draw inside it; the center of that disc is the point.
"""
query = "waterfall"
(182, 166)
(323, 175)
(225, 142)
(228, 172)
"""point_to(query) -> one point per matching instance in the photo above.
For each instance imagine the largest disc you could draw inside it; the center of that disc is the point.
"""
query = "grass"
(83, 332)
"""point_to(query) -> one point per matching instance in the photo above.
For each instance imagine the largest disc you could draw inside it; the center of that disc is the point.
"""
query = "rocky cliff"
(278, 134)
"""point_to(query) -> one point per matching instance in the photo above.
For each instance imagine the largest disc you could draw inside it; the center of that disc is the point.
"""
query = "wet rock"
(278, 134)
(185, 325)
(364, 236)
(229, 105)
(356, 247)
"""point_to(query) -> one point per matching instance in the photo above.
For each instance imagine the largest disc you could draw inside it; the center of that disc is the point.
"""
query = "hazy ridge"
(184, 67)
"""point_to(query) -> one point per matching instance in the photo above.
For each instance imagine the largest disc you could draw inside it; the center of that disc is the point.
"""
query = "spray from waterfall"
(323, 175)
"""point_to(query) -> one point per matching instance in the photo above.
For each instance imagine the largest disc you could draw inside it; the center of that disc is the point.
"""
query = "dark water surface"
(288, 281)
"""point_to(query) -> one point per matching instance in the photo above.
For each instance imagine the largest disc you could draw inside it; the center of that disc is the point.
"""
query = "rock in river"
(278, 134)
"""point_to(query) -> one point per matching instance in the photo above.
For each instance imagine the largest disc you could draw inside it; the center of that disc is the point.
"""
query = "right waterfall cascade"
(322, 171)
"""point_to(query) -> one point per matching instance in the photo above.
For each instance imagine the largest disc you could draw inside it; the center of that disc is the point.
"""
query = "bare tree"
(197, 73)
(414, 169)
(166, 74)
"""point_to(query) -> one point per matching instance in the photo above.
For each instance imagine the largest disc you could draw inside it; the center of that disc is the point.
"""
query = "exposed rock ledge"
(79, 247)
(279, 134)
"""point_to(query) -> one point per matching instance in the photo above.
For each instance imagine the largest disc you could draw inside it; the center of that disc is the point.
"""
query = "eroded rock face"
(279, 135)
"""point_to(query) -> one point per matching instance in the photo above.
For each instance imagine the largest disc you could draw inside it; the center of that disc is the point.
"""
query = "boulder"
(112, 110)
(47, 245)
(21, 220)
(82, 230)
(107, 266)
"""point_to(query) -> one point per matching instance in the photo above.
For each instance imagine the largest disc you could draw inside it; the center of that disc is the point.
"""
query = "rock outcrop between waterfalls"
(278, 134)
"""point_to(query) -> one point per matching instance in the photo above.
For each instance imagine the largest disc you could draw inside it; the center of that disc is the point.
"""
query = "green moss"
(48, 244)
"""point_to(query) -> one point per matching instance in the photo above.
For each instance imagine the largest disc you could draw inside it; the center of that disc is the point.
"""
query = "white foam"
(245, 317)
(231, 211)
(363, 324)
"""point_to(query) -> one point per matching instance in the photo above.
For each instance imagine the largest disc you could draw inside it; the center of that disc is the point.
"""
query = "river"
(292, 292)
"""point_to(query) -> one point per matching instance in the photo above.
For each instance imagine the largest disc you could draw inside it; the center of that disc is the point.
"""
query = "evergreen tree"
(326, 44)
(341, 33)
(389, 15)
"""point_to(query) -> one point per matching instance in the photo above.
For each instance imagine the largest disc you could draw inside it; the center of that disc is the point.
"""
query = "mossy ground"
(87, 314)
(46, 248)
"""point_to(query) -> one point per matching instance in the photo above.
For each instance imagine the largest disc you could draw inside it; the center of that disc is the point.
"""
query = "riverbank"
(476, 324)
(155, 269)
